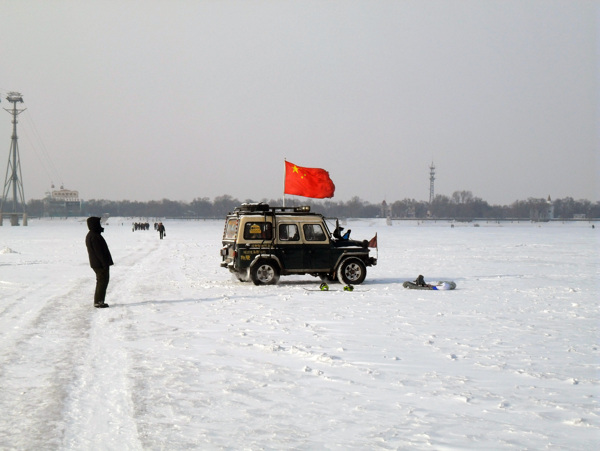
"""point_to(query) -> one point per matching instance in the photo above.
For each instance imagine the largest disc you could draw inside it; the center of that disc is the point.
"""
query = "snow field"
(187, 357)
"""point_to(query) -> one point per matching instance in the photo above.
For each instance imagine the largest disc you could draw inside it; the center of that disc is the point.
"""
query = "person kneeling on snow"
(420, 281)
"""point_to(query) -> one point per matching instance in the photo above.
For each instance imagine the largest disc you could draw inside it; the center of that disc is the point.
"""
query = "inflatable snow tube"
(441, 285)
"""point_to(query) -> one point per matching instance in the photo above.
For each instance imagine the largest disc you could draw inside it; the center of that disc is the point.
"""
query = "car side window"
(313, 232)
(288, 232)
(231, 228)
(258, 231)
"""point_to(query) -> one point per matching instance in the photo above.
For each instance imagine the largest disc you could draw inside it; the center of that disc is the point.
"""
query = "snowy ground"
(189, 358)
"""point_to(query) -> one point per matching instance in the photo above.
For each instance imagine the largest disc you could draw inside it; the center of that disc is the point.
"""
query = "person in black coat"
(100, 259)
(161, 230)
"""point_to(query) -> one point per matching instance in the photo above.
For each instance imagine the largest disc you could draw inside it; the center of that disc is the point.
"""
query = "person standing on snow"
(161, 230)
(100, 259)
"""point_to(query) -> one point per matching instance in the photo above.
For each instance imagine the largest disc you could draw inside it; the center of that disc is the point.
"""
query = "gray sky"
(178, 99)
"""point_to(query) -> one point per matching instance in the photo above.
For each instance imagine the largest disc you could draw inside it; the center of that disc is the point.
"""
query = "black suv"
(261, 243)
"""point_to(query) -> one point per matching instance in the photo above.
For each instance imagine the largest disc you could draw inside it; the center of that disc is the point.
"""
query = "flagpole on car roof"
(284, 169)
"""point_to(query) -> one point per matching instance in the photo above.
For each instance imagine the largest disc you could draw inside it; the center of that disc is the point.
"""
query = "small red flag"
(373, 241)
(307, 182)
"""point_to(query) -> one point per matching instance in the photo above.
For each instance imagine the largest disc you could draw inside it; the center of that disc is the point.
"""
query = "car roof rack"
(254, 206)
(261, 207)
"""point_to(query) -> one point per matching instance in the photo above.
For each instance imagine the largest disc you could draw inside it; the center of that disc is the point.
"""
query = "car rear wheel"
(352, 271)
(264, 273)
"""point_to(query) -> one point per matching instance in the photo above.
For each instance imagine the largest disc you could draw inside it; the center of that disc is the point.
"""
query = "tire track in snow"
(152, 273)
(56, 349)
(34, 386)
(21, 312)
(101, 412)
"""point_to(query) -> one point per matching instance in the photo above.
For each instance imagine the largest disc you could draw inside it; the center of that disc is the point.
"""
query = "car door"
(290, 246)
(317, 252)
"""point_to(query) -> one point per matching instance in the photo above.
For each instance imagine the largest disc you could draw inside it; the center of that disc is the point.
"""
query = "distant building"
(62, 203)
(549, 209)
(386, 212)
(543, 212)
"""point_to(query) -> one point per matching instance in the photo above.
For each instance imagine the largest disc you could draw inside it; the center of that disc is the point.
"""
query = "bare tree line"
(461, 205)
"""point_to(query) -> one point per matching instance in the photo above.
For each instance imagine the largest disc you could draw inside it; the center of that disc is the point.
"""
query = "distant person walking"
(100, 259)
(161, 230)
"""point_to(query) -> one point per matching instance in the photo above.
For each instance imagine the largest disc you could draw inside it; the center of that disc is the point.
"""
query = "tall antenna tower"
(431, 182)
(13, 170)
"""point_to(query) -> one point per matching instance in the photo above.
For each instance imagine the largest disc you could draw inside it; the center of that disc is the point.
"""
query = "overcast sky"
(178, 99)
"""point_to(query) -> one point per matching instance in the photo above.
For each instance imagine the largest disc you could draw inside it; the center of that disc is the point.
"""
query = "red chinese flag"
(373, 241)
(307, 182)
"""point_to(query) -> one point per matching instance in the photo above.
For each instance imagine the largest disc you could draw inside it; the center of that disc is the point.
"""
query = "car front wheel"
(264, 273)
(352, 272)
